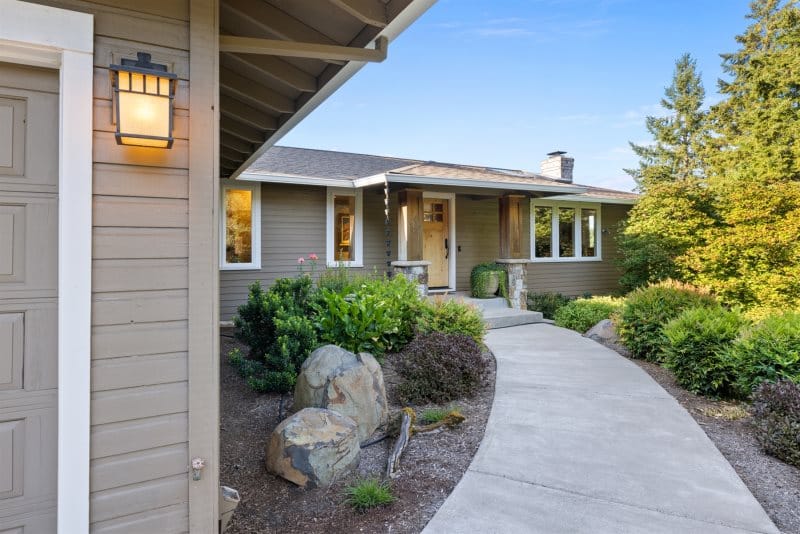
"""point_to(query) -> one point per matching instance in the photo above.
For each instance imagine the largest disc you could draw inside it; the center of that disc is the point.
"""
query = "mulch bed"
(431, 465)
(774, 483)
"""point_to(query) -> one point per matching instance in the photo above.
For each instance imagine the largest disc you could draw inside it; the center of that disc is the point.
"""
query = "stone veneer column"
(416, 271)
(516, 281)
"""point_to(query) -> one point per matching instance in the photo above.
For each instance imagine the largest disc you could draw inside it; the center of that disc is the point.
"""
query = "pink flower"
(313, 257)
(301, 260)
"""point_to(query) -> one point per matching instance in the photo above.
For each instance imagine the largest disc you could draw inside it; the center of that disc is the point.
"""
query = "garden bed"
(431, 466)
(774, 483)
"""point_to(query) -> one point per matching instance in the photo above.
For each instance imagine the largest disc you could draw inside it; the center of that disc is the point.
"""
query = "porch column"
(416, 271)
(516, 281)
(410, 225)
(511, 226)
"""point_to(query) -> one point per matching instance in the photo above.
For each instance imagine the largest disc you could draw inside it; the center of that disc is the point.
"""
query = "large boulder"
(350, 384)
(603, 332)
(313, 447)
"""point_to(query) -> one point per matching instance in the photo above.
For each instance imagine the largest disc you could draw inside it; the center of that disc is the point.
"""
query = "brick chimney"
(558, 166)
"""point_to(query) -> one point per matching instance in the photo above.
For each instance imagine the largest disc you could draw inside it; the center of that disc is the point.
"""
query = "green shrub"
(547, 303)
(377, 317)
(479, 277)
(433, 415)
(582, 314)
(274, 324)
(343, 280)
(696, 349)
(768, 351)
(648, 309)
(452, 317)
(776, 416)
(440, 368)
(368, 493)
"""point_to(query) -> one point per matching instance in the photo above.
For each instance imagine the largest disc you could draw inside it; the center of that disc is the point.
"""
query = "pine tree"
(675, 206)
(753, 256)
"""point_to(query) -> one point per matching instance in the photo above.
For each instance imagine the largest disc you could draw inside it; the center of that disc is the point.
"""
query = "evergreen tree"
(675, 206)
(753, 256)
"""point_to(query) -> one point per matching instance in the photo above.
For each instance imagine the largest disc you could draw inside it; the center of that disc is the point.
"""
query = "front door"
(435, 241)
(28, 298)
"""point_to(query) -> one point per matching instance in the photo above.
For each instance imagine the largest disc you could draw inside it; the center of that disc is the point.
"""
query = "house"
(442, 220)
(117, 119)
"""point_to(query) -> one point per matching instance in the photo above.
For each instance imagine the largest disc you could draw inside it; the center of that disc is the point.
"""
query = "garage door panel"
(12, 457)
(12, 336)
(28, 224)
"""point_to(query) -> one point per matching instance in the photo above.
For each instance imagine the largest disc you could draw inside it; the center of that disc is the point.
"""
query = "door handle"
(446, 249)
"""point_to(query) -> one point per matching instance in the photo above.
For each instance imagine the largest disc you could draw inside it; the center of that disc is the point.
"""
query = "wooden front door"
(435, 241)
(28, 298)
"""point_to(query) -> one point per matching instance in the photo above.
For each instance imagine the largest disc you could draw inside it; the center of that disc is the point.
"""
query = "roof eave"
(482, 184)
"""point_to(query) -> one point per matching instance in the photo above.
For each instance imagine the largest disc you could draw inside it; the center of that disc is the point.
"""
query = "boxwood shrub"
(648, 309)
(776, 416)
(767, 352)
(582, 314)
(696, 349)
(452, 317)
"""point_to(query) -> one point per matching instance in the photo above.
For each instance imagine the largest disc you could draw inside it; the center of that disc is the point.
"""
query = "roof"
(281, 164)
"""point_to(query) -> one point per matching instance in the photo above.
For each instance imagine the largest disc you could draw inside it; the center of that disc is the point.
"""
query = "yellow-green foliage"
(582, 314)
(451, 316)
(368, 493)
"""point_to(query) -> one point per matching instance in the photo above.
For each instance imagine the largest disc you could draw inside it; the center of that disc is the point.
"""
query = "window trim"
(358, 239)
(555, 205)
(255, 219)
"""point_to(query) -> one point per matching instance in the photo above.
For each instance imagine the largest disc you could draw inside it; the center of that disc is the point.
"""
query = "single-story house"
(393, 214)
(117, 120)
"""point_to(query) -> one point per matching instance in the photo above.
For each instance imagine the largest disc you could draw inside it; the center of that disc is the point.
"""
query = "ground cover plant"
(583, 313)
(547, 303)
(368, 493)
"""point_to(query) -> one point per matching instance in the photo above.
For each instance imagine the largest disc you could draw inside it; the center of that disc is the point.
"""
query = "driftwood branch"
(393, 465)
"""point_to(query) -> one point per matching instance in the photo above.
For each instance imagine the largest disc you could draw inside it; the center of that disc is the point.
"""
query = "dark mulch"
(774, 483)
(432, 465)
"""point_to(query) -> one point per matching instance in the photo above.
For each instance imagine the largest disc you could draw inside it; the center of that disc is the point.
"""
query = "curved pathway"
(582, 440)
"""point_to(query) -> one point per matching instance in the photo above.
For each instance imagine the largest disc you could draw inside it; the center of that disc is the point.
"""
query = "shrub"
(433, 415)
(547, 303)
(776, 416)
(768, 351)
(582, 314)
(439, 368)
(479, 277)
(280, 335)
(696, 349)
(648, 309)
(378, 316)
(368, 493)
(342, 279)
(452, 317)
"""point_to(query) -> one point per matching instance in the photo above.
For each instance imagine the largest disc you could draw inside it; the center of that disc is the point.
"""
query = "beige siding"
(139, 437)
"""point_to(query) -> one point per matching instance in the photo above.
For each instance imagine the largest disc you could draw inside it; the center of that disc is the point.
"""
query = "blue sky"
(501, 83)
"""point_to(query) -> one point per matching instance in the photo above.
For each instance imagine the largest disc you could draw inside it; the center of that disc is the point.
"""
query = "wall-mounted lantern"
(143, 101)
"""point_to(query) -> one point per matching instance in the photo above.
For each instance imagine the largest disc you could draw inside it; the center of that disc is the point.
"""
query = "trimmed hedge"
(582, 314)
(547, 303)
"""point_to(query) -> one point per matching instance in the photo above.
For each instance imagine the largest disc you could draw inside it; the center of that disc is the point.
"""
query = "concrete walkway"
(582, 440)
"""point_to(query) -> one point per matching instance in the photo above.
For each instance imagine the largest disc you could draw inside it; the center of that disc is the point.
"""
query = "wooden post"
(410, 235)
(511, 226)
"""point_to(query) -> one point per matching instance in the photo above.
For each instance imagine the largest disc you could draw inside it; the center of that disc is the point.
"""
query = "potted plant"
(486, 279)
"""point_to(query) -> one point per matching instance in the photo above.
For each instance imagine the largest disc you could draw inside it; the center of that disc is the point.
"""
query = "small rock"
(313, 447)
(603, 332)
(350, 384)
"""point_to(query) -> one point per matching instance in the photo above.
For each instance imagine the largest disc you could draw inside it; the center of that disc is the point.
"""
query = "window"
(241, 225)
(565, 231)
(344, 228)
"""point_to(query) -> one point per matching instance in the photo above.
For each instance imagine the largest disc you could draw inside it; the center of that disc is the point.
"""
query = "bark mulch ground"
(431, 466)
(774, 483)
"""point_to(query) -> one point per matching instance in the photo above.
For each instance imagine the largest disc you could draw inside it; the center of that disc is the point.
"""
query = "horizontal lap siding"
(477, 235)
(139, 435)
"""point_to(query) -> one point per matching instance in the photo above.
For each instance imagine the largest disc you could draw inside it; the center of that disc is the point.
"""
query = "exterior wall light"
(143, 101)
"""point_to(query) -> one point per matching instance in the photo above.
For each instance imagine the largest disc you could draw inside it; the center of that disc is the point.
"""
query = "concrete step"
(495, 303)
(499, 318)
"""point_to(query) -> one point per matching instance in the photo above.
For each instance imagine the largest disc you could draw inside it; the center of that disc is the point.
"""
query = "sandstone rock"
(313, 447)
(603, 332)
(350, 384)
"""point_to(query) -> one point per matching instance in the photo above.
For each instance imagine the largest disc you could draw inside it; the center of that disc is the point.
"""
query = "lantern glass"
(143, 98)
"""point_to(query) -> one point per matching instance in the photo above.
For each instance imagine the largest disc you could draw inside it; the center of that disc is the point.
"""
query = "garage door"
(28, 298)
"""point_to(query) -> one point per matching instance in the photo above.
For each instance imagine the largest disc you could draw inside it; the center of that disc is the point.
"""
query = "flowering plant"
(312, 260)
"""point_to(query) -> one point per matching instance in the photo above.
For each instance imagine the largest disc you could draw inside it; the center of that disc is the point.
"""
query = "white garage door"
(28, 298)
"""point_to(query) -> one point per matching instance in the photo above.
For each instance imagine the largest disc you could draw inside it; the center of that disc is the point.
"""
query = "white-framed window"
(565, 231)
(344, 230)
(240, 231)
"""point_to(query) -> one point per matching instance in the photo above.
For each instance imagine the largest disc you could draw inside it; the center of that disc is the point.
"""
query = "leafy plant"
(368, 493)
(648, 309)
(479, 280)
(776, 417)
(439, 368)
(343, 280)
(582, 314)
(767, 352)
(547, 303)
(696, 349)
(452, 317)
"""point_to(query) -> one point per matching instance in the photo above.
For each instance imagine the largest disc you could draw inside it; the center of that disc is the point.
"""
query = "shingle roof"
(327, 164)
